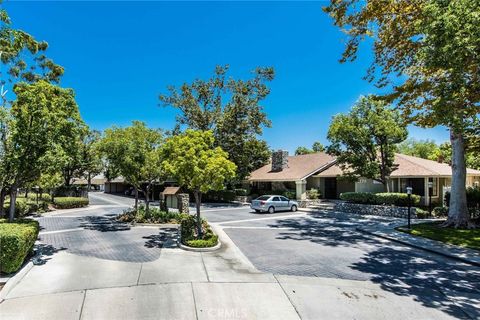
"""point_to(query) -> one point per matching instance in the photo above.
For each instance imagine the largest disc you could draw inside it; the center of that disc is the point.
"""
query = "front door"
(330, 188)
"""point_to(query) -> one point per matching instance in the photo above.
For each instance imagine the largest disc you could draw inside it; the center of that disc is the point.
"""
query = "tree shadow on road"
(167, 238)
(103, 224)
(434, 281)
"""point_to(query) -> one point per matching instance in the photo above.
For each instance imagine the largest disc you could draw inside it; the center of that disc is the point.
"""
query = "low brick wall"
(377, 210)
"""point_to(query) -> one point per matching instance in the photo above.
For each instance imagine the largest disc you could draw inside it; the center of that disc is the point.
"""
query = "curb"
(448, 255)
(13, 281)
(209, 249)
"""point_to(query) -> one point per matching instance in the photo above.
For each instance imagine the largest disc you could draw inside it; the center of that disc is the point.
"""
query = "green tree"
(418, 148)
(303, 150)
(134, 153)
(194, 161)
(232, 109)
(365, 139)
(49, 181)
(91, 163)
(22, 58)
(318, 147)
(426, 54)
(43, 117)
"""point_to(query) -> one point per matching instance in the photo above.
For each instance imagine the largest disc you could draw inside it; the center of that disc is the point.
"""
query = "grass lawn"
(459, 237)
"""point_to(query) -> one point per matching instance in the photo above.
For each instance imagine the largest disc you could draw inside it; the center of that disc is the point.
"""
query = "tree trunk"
(2, 202)
(89, 182)
(147, 199)
(198, 202)
(13, 199)
(136, 199)
(458, 216)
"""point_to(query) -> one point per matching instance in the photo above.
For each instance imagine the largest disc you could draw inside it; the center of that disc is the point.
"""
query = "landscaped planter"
(377, 210)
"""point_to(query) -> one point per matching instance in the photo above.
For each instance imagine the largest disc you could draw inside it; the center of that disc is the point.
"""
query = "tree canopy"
(426, 54)
(232, 109)
(194, 161)
(365, 139)
(134, 152)
(316, 147)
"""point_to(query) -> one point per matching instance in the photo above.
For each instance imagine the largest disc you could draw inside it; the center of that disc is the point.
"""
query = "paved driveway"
(326, 244)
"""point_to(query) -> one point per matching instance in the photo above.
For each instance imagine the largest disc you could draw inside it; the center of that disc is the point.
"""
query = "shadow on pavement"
(166, 239)
(44, 253)
(103, 224)
(435, 282)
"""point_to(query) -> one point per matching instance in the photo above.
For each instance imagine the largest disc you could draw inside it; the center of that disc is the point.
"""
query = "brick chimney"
(279, 160)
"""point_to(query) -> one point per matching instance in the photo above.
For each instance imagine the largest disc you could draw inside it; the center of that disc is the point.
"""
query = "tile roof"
(320, 165)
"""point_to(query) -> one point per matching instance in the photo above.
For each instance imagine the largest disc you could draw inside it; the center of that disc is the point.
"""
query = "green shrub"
(203, 243)
(397, 199)
(70, 202)
(25, 206)
(41, 197)
(290, 194)
(222, 196)
(440, 212)
(154, 215)
(388, 198)
(241, 192)
(16, 242)
(189, 233)
(473, 197)
(358, 197)
(313, 194)
(422, 214)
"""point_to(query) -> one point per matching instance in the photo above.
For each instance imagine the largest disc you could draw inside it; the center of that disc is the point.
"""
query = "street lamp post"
(430, 190)
(409, 193)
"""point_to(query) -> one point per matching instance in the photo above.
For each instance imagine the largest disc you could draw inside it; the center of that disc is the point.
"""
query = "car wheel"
(271, 210)
(294, 208)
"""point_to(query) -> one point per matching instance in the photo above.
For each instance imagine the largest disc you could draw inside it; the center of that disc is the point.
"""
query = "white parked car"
(273, 203)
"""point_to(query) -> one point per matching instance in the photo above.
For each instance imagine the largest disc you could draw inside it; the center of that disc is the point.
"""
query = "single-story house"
(320, 171)
(98, 182)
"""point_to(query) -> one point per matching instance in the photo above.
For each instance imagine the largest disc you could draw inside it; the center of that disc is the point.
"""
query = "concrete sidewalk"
(190, 285)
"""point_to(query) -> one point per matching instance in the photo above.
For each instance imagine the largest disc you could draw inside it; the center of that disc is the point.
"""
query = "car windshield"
(263, 198)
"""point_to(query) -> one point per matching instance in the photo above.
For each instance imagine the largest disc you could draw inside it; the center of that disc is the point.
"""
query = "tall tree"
(365, 139)
(316, 147)
(418, 148)
(197, 164)
(134, 153)
(43, 117)
(232, 109)
(22, 58)
(91, 156)
(426, 53)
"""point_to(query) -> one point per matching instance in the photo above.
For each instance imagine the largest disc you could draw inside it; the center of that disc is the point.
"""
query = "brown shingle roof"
(320, 165)
(414, 166)
(171, 190)
(299, 167)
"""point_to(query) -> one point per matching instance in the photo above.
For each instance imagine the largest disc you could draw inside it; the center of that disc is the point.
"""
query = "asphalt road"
(326, 244)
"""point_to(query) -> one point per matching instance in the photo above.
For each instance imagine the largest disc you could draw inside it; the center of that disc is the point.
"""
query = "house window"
(434, 186)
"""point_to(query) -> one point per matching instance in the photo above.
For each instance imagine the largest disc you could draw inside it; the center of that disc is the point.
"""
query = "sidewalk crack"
(288, 297)
(83, 303)
(204, 267)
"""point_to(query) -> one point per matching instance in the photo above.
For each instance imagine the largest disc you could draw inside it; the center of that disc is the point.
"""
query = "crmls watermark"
(225, 313)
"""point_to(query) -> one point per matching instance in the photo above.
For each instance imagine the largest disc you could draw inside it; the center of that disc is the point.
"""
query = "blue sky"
(119, 56)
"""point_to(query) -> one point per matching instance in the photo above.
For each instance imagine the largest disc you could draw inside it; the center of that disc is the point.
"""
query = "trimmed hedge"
(154, 215)
(16, 242)
(389, 198)
(70, 202)
(241, 192)
(396, 199)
